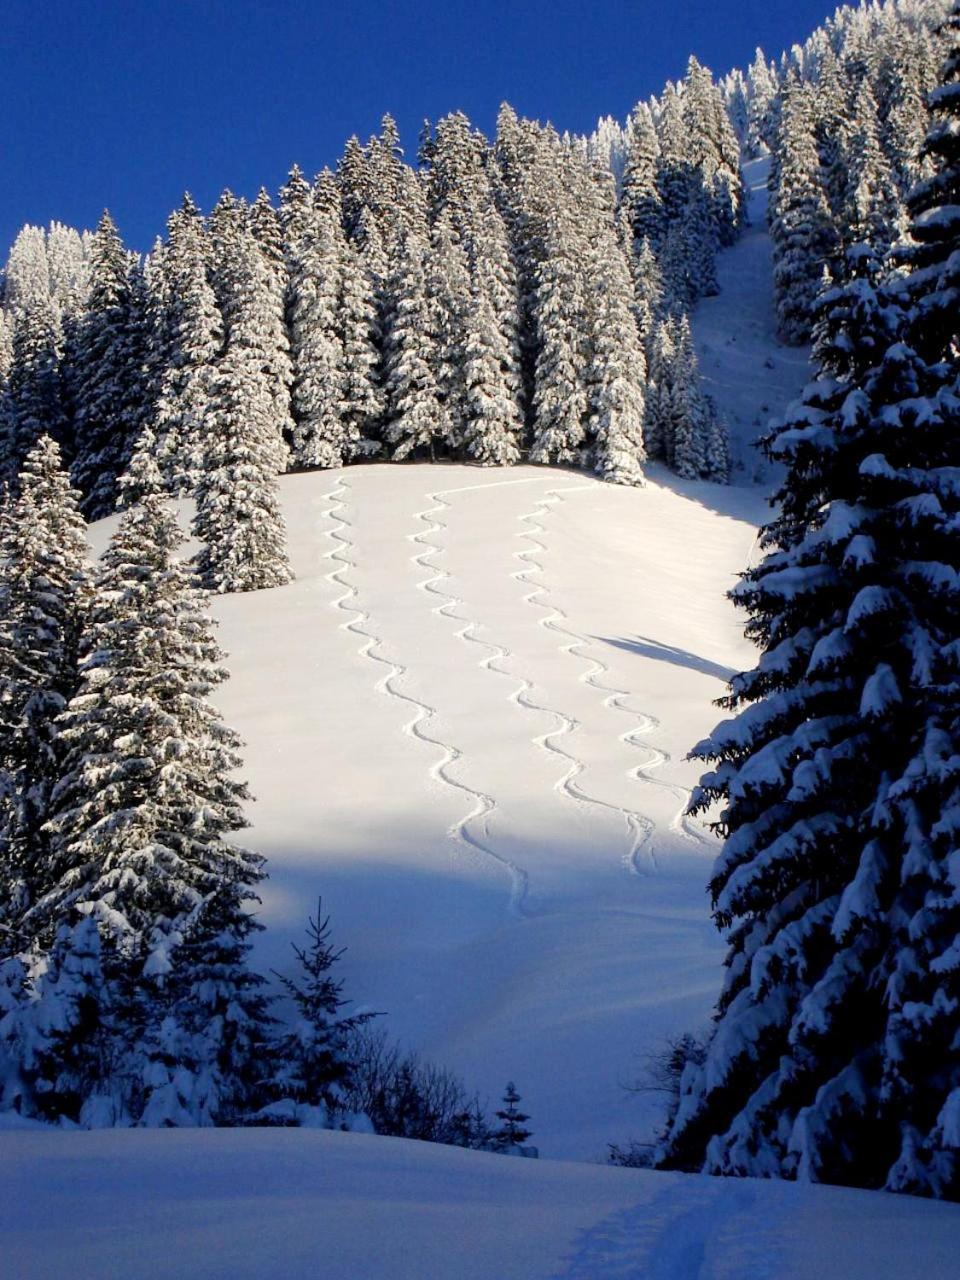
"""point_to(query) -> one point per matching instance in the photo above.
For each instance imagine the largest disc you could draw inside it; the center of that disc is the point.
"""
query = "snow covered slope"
(748, 372)
(466, 724)
(247, 1205)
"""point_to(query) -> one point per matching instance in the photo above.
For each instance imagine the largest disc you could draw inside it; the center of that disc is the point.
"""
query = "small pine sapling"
(314, 1067)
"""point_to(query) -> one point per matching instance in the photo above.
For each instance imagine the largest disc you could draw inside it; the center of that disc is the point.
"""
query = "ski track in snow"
(640, 828)
(694, 1230)
(640, 857)
(462, 831)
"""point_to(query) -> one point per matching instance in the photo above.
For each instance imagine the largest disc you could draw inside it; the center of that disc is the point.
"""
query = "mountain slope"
(466, 724)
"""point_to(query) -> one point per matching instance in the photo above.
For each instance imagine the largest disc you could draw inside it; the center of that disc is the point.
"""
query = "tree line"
(491, 303)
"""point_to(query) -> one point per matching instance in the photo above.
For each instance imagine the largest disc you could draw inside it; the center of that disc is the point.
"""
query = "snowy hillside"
(299, 1204)
(751, 376)
(466, 724)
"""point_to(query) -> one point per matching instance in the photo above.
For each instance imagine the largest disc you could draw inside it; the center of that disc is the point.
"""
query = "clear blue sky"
(127, 103)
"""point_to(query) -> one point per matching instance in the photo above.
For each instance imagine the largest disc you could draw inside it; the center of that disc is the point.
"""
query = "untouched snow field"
(252, 1205)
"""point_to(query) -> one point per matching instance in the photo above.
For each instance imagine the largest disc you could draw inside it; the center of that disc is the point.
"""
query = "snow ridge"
(462, 831)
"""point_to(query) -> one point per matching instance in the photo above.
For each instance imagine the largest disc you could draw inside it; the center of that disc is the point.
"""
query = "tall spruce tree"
(44, 594)
(834, 1056)
(801, 227)
(493, 423)
(110, 390)
(362, 396)
(639, 195)
(316, 255)
(871, 210)
(560, 396)
(189, 331)
(245, 283)
(140, 849)
(448, 293)
(417, 424)
(33, 399)
(238, 517)
(615, 378)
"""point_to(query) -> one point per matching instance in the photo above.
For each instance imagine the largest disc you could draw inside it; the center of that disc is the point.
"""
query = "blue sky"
(127, 103)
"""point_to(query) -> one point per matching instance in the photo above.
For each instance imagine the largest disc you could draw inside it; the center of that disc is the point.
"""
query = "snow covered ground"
(747, 371)
(466, 724)
(252, 1205)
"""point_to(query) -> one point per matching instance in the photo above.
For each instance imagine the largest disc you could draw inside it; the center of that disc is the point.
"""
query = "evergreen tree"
(145, 797)
(617, 371)
(714, 152)
(674, 170)
(512, 1133)
(934, 207)
(904, 133)
(58, 1038)
(492, 419)
(658, 413)
(762, 80)
(205, 1053)
(238, 514)
(44, 590)
(872, 209)
(800, 227)
(245, 283)
(832, 123)
(33, 397)
(238, 517)
(560, 399)
(834, 1056)
(448, 293)
(26, 275)
(640, 197)
(264, 227)
(110, 392)
(648, 289)
(316, 253)
(362, 397)
(354, 181)
(313, 1056)
(698, 243)
(139, 855)
(697, 444)
(190, 335)
(416, 420)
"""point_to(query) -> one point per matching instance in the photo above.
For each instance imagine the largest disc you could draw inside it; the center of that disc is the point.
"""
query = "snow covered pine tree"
(835, 1055)
(44, 595)
(175, 1022)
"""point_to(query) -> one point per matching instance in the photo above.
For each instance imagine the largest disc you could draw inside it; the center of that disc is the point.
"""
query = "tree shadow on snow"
(746, 502)
(648, 648)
